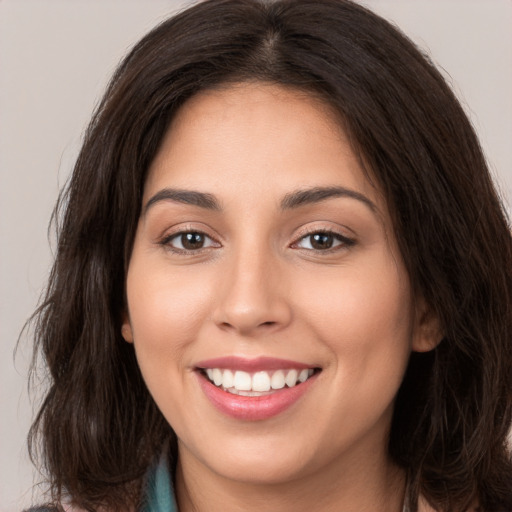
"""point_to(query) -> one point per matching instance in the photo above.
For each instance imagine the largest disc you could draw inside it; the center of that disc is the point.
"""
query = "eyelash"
(344, 242)
(166, 242)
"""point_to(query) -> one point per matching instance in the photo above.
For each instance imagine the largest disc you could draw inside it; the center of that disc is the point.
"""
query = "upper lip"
(252, 364)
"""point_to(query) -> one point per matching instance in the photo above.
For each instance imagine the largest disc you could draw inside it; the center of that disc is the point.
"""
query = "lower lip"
(254, 408)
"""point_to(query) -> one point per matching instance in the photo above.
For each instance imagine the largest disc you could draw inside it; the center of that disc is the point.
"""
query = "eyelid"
(165, 239)
(309, 231)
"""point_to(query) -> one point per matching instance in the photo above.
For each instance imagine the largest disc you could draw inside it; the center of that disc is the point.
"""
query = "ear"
(126, 329)
(427, 328)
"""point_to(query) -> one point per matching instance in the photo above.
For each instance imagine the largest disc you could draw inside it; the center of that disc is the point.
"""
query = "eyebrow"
(318, 194)
(191, 197)
(290, 201)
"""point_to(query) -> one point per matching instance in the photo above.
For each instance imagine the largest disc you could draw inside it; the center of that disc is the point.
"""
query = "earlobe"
(126, 329)
(427, 330)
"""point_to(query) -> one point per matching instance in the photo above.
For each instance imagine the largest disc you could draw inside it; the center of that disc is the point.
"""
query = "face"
(265, 261)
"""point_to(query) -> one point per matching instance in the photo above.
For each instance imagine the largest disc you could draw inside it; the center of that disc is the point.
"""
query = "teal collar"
(159, 492)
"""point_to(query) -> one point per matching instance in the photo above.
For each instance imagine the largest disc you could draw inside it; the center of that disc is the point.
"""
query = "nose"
(253, 297)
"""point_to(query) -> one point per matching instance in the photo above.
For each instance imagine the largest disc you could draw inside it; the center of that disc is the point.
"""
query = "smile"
(254, 389)
(239, 382)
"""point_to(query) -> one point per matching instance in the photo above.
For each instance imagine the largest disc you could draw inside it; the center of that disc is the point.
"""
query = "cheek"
(365, 319)
(365, 322)
(165, 306)
(166, 312)
(373, 300)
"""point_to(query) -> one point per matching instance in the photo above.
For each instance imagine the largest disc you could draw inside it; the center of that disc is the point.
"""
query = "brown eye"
(323, 241)
(189, 241)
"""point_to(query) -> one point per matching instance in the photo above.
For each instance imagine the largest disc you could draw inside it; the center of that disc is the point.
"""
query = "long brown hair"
(99, 429)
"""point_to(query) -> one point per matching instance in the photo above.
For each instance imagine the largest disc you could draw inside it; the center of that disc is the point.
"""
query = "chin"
(268, 472)
(263, 461)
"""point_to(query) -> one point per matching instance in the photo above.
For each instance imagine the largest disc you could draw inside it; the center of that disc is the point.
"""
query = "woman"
(283, 278)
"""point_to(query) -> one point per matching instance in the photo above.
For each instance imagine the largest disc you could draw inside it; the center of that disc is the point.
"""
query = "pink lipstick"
(254, 389)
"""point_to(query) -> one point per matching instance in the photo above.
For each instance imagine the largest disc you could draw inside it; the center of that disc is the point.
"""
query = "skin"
(258, 288)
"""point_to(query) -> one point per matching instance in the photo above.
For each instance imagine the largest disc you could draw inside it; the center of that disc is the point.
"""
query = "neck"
(352, 485)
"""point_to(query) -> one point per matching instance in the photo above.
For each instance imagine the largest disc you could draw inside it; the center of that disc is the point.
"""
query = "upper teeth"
(237, 380)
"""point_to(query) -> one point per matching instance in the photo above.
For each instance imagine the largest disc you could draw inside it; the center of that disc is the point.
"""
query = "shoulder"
(423, 506)
(42, 509)
(54, 508)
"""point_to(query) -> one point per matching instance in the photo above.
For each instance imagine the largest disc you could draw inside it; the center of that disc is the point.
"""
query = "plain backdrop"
(55, 59)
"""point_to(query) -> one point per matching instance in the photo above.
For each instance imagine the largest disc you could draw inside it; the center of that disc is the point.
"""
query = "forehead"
(240, 137)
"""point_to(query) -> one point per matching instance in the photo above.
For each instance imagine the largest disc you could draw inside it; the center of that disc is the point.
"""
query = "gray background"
(55, 59)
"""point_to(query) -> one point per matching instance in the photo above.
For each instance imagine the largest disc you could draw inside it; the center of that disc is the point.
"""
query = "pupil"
(192, 240)
(321, 241)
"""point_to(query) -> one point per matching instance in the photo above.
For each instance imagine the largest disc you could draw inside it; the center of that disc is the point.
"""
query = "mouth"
(260, 383)
(254, 389)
